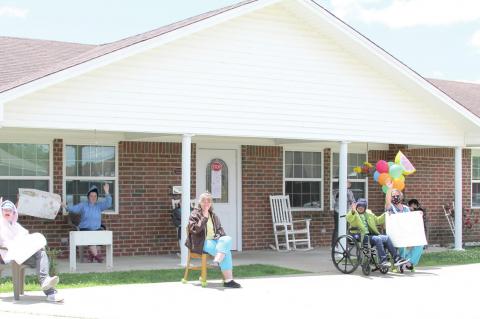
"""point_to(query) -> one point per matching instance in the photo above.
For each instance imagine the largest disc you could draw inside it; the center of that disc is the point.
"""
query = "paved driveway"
(446, 292)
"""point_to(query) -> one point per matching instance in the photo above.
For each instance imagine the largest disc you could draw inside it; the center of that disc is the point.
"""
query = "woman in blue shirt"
(91, 214)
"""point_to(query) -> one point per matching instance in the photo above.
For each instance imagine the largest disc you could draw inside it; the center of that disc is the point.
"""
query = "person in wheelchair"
(364, 222)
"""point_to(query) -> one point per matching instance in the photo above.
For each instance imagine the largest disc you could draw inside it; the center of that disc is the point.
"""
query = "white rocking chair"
(283, 224)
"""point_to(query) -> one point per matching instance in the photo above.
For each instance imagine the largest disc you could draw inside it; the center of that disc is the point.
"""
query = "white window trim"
(49, 177)
(332, 180)
(474, 153)
(321, 180)
(92, 178)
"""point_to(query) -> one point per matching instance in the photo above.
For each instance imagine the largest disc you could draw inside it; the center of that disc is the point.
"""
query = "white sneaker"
(50, 282)
(55, 297)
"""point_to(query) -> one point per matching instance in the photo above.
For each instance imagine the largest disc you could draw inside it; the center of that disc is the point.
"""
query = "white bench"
(91, 238)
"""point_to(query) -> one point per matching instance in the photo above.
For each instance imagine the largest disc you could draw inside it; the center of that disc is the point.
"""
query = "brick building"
(275, 92)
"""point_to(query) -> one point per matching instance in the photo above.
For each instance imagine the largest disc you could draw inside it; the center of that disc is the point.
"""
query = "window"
(359, 181)
(23, 166)
(475, 179)
(303, 179)
(217, 171)
(88, 165)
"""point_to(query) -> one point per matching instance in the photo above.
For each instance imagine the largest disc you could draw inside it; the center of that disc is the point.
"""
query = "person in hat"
(91, 215)
(365, 221)
(10, 231)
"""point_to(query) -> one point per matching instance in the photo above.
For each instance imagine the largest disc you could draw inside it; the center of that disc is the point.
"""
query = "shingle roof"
(466, 94)
(20, 58)
(97, 51)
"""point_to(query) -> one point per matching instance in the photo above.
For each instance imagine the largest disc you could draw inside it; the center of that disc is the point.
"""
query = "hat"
(362, 202)
(92, 189)
(9, 205)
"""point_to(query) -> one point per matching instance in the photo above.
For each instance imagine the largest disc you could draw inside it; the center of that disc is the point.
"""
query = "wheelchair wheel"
(346, 254)
(384, 270)
(366, 269)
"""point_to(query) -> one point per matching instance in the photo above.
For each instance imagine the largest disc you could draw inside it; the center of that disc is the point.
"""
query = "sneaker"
(386, 264)
(400, 261)
(231, 284)
(50, 282)
(56, 297)
(410, 267)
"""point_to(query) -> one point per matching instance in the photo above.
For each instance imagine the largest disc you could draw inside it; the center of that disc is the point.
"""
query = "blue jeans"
(221, 245)
(379, 241)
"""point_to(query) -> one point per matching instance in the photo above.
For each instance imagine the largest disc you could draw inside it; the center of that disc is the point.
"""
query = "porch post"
(342, 188)
(186, 160)
(458, 198)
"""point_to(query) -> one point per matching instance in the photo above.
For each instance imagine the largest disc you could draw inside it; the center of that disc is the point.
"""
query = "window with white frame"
(23, 166)
(359, 180)
(303, 179)
(475, 179)
(86, 166)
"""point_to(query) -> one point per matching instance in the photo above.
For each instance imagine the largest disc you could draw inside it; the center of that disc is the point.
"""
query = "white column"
(342, 188)
(186, 160)
(458, 198)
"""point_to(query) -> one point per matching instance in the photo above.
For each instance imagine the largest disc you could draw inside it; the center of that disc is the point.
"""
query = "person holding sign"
(14, 237)
(91, 214)
(366, 222)
(206, 234)
(394, 205)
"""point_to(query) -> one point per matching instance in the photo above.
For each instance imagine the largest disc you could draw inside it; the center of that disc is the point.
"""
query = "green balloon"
(390, 164)
(385, 188)
(396, 171)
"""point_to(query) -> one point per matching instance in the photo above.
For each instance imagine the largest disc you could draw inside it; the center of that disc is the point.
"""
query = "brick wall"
(433, 184)
(262, 176)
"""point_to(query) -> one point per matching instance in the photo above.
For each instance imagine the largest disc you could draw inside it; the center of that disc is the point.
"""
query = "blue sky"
(437, 38)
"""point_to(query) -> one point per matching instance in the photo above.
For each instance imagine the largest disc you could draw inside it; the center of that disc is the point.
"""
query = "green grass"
(146, 276)
(451, 257)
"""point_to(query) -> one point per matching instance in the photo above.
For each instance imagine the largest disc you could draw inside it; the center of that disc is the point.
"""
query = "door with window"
(217, 173)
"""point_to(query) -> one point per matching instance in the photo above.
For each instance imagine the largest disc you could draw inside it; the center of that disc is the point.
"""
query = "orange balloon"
(398, 184)
(384, 178)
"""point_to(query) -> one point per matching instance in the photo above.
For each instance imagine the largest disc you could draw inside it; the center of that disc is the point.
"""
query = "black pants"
(335, 227)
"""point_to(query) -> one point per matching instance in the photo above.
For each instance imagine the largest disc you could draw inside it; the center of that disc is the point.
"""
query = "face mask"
(396, 199)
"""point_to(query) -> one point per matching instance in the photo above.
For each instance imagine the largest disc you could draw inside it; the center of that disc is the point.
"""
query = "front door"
(217, 173)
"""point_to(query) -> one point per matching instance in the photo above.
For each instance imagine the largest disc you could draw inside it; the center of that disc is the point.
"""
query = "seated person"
(10, 230)
(366, 222)
(206, 234)
(91, 215)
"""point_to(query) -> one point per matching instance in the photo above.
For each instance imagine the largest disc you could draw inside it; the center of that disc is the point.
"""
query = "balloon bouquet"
(393, 172)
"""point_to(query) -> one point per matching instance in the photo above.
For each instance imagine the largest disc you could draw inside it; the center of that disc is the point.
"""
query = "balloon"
(384, 178)
(375, 176)
(382, 166)
(385, 188)
(396, 171)
(390, 164)
(398, 184)
(402, 178)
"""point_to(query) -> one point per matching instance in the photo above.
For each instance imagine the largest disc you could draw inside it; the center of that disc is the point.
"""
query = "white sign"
(23, 247)
(33, 202)
(406, 229)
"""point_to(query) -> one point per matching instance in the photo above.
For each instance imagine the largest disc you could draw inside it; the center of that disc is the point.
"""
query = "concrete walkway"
(446, 292)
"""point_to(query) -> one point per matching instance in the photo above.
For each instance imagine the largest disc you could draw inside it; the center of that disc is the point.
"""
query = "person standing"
(336, 215)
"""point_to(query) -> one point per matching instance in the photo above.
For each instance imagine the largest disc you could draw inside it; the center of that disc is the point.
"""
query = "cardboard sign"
(33, 202)
(406, 229)
(23, 247)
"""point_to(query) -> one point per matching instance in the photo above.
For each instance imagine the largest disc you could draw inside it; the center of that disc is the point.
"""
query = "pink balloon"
(382, 166)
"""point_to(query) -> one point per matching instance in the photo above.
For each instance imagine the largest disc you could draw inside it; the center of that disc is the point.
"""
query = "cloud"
(13, 12)
(475, 40)
(409, 13)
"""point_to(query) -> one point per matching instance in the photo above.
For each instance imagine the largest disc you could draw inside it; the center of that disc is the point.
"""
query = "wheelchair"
(348, 252)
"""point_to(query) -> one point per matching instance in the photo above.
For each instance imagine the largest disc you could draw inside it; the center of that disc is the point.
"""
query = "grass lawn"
(470, 255)
(146, 276)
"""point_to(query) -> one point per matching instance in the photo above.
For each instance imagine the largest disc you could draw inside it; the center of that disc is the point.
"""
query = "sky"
(437, 38)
